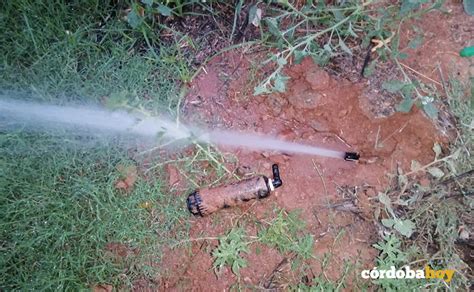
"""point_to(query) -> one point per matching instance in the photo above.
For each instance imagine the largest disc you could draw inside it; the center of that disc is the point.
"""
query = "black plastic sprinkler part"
(276, 181)
(351, 156)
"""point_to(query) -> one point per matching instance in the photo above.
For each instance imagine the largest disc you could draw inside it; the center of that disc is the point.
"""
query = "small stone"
(266, 165)
(279, 159)
(303, 97)
(243, 170)
(265, 154)
(318, 79)
(463, 234)
(342, 113)
(276, 103)
(318, 126)
(287, 135)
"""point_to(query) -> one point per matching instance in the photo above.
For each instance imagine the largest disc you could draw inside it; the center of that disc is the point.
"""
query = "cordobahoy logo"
(407, 273)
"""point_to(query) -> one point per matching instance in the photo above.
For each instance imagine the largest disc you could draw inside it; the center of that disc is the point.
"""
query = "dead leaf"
(102, 288)
(128, 178)
(173, 175)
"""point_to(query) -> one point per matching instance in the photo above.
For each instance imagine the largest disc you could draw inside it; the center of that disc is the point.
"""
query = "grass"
(86, 51)
(59, 205)
(60, 209)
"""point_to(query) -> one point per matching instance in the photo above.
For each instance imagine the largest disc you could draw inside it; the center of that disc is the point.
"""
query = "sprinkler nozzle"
(276, 181)
(351, 156)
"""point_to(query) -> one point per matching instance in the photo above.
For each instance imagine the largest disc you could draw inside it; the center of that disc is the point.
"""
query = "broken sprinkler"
(203, 202)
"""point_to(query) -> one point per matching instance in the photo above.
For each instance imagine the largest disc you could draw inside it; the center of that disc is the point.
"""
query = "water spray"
(201, 202)
(99, 120)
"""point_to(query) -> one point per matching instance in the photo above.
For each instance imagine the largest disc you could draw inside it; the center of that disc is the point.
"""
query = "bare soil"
(320, 109)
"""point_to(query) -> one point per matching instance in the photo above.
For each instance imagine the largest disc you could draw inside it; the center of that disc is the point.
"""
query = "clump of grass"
(60, 209)
(283, 233)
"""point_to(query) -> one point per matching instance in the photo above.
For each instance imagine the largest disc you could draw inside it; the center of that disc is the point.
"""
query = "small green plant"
(391, 254)
(282, 233)
(230, 249)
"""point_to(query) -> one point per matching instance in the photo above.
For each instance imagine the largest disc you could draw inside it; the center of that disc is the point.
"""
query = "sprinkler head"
(351, 156)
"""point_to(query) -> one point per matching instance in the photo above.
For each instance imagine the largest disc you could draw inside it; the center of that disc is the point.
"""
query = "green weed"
(412, 90)
(433, 221)
(229, 251)
(283, 234)
(335, 26)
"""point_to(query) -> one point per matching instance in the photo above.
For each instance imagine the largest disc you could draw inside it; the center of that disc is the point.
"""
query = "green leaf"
(164, 10)
(254, 18)
(406, 105)
(408, 6)
(369, 70)
(430, 110)
(117, 100)
(337, 14)
(456, 154)
(393, 86)
(351, 32)
(344, 47)
(272, 24)
(405, 227)
(147, 2)
(385, 200)
(280, 83)
(467, 51)
(260, 90)
(229, 251)
(299, 55)
(469, 8)
(327, 48)
(402, 180)
(402, 55)
(388, 222)
(304, 246)
(436, 172)
(437, 149)
(133, 19)
(415, 165)
(416, 42)
(281, 61)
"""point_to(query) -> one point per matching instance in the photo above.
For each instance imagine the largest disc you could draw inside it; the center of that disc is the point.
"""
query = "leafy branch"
(301, 47)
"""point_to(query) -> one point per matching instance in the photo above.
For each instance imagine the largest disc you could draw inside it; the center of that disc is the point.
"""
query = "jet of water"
(119, 122)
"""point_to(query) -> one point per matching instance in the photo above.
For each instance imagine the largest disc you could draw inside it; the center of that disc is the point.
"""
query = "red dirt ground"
(316, 109)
